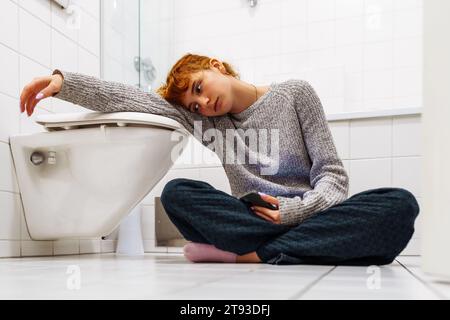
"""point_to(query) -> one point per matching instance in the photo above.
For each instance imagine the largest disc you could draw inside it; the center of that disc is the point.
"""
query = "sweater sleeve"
(105, 96)
(328, 177)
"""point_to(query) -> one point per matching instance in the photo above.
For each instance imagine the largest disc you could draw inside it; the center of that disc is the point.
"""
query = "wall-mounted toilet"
(83, 175)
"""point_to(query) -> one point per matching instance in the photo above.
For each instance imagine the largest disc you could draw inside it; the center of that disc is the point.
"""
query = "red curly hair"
(178, 79)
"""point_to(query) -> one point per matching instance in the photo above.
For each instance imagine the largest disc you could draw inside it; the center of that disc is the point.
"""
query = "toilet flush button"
(51, 159)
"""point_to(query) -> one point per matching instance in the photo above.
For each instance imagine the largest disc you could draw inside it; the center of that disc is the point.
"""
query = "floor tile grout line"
(311, 285)
(203, 283)
(430, 287)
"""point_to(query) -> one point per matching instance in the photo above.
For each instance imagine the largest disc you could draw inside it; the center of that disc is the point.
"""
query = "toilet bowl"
(88, 171)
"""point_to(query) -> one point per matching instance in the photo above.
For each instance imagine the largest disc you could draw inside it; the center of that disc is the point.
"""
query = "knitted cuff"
(289, 211)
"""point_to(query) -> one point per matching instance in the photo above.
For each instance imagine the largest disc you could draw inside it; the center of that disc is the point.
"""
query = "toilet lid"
(71, 121)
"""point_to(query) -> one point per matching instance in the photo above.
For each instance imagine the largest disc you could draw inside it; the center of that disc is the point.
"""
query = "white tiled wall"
(37, 36)
(359, 54)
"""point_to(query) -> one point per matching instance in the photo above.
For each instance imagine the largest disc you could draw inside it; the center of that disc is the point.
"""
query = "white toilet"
(89, 170)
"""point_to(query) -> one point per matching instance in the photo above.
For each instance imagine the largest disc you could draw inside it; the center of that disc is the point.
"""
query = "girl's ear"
(218, 65)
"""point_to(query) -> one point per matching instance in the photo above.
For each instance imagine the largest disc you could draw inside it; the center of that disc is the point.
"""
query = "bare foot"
(251, 257)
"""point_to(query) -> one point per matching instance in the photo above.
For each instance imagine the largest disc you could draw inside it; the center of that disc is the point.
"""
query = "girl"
(312, 222)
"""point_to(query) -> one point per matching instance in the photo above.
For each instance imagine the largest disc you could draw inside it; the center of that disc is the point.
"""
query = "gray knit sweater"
(306, 175)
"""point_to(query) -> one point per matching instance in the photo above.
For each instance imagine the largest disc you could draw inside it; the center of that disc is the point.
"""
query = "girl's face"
(209, 93)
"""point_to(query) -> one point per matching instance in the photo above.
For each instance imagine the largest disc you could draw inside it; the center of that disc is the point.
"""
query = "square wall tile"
(88, 63)
(321, 35)
(90, 246)
(407, 4)
(379, 55)
(346, 164)
(408, 52)
(150, 246)
(407, 136)
(195, 154)
(407, 174)
(351, 57)
(63, 247)
(378, 26)
(64, 52)
(370, 138)
(174, 249)
(148, 222)
(408, 23)
(216, 177)
(155, 192)
(369, 174)
(408, 82)
(378, 84)
(35, 38)
(378, 104)
(10, 208)
(62, 22)
(257, 42)
(89, 34)
(91, 6)
(9, 121)
(293, 12)
(108, 246)
(36, 248)
(377, 6)
(319, 10)
(419, 220)
(349, 31)
(38, 8)
(265, 68)
(413, 248)
(340, 130)
(349, 8)
(9, 63)
(113, 43)
(9, 249)
(29, 70)
(187, 173)
(9, 32)
(289, 63)
(8, 179)
(353, 87)
(293, 39)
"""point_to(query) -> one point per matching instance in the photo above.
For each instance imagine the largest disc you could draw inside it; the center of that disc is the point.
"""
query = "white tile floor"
(170, 276)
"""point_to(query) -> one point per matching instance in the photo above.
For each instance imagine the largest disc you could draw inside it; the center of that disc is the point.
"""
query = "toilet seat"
(71, 121)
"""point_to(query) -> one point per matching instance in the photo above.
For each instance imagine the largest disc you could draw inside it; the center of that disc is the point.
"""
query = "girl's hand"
(268, 214)
(38, 89)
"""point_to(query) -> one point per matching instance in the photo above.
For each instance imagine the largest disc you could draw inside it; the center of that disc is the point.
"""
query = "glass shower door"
(120, 41)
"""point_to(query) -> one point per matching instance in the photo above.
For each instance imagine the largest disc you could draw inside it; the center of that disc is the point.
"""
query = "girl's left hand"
(268, 214)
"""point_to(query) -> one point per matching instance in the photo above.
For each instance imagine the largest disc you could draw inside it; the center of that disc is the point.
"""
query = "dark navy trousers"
(369, 228)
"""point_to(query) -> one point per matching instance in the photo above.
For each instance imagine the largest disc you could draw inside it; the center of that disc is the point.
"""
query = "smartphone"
(254, 199)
